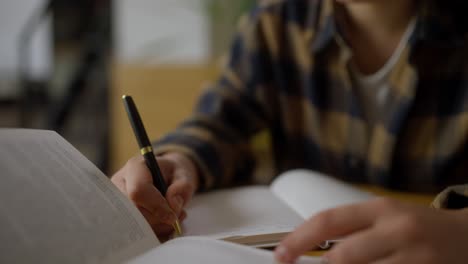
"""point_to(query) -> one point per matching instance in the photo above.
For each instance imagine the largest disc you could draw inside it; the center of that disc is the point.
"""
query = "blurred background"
(65, 64)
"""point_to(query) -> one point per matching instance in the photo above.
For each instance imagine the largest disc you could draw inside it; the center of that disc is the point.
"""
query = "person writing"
(366, 91)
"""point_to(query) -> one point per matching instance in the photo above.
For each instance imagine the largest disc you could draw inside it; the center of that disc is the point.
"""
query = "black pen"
(147, 150)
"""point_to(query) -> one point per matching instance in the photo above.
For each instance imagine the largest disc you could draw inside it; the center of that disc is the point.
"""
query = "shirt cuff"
(455, 197)
(206, 179)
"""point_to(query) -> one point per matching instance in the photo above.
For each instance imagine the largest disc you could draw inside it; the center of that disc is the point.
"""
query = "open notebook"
(260, 215)
(57, 207)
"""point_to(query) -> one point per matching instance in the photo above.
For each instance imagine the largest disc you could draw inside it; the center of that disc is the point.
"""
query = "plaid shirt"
(288, 74)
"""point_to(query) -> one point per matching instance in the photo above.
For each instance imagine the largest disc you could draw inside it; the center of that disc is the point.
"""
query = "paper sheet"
(239, 212)
(209, 251)
(309, 192)
(57, 207)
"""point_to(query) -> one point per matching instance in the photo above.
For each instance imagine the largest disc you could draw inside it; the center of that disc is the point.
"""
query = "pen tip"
(178, 228)
(124, 96)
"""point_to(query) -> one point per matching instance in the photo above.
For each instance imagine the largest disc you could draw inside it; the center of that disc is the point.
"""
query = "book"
(57, 207)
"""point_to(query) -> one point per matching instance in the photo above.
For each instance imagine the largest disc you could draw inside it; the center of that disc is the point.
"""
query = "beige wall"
(165, 95)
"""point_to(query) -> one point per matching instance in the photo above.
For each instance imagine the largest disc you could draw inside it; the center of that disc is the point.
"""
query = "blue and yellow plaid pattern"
(288, 74)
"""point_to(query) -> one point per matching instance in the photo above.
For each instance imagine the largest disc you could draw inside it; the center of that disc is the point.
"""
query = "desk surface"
(421, 199)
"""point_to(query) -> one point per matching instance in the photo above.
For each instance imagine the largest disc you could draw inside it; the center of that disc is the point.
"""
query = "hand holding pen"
(159, 187)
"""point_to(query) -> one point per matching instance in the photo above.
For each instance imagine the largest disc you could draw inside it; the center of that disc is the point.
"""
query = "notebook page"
(309, 192)
(239, 212)
(208, 251)
(57, 207)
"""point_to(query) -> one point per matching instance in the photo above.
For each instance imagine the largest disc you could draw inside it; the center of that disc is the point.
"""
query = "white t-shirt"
(373, 90)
